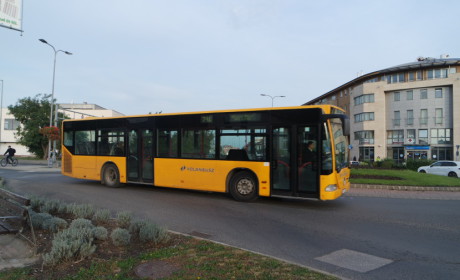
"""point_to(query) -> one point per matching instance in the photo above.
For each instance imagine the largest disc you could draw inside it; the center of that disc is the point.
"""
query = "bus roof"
(325, 107)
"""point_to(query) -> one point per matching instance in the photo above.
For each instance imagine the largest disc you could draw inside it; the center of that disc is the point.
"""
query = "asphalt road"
(364, 235)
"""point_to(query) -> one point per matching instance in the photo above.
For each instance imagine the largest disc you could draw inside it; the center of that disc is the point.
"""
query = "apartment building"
(409, 111)
(8, 124)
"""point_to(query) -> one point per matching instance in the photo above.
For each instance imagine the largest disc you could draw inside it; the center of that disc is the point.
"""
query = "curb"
(405, 188)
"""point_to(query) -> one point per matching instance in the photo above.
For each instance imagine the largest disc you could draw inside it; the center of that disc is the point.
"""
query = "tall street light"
(1, 114)
(52, 151)
(272, 97)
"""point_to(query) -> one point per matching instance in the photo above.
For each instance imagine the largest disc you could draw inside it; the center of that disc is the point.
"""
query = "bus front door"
(140, 156)
(295, 161)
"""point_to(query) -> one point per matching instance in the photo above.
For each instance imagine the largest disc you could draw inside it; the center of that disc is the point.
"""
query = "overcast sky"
(142, 56)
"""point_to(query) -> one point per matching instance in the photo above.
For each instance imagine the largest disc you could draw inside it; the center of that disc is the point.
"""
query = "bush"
(387, 163)
(54, 224)
(120, 237)
(81, 223)
(83, 211)
(124, 219)
(415, 164)
(100, 233)
(102, 215)
(153, 233)
(135, 226)
(38, 219)
(70, 244)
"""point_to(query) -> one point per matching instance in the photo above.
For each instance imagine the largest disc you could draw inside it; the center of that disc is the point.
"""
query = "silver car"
(443, 167)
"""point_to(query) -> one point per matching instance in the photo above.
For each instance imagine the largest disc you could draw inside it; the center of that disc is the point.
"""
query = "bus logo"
(197, 169)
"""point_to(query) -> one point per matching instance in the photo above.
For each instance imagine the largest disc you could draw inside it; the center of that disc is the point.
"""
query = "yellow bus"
(297, 152)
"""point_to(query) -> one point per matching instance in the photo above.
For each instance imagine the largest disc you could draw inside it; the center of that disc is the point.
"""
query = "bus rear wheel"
(111, 176)
(243, 186)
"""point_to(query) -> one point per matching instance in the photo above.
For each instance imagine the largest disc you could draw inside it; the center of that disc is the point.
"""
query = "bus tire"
(243, 186)
(111, 176)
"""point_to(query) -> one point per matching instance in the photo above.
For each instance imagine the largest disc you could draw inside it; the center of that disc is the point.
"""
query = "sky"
(147, 56)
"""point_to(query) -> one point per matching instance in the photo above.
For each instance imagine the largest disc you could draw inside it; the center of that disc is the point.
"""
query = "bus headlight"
(331, 188)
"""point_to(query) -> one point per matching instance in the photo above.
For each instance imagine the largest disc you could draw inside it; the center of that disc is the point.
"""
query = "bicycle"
(13, 161)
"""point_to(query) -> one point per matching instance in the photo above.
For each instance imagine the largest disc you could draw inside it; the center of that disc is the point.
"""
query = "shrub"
(101, 215)
(74, 243)
(100, 233)
(81, 223)
(50, 206)
(120, 237)
(83, 211)
(415, 164)
(36, 202)
(153, 233)
(135, 226)
(54, 224)
(39, 218)
(124, 219)
(387, 163)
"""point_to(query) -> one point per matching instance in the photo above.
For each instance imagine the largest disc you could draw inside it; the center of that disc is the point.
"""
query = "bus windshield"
(341, 144)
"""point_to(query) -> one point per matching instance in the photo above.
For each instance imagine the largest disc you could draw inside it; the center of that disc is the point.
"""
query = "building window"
(364, 117)
(365, 98)
(424, 116)
(397, 118)
(410, 117)
(11, 124)
(411, 76)
(438, 116)
(365, 137)
(423, 94)
(396, 78)
(441, 153)
(441, 136)
(423, 136)
(438, 93)
(411, 136)
(397, 96)
(409, 95)
(366, 153)
(395, 137)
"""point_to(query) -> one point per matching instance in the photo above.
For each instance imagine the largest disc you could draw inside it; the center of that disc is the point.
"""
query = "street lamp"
(52, 159)
(272, 97)
(1, 114)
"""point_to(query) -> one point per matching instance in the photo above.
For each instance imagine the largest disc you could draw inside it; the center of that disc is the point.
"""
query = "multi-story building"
(8, 125)
(409, 111)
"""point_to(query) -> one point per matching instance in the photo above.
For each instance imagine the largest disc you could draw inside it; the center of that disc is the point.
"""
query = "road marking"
(354, 260)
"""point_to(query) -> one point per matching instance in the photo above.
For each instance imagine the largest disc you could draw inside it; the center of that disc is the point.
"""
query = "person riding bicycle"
(10, 153)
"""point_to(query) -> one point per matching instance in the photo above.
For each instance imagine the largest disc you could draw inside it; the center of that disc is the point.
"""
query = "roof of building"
(421, 63)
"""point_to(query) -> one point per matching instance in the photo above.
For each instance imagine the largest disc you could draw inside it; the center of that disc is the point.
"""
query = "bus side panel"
(341, 180)
(206, 175)
(89, 167)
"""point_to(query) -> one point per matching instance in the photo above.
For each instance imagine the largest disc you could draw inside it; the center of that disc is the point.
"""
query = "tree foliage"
(33, 113)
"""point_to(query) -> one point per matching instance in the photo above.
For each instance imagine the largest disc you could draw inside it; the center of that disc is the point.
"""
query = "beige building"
(409, 111)
(8, 125)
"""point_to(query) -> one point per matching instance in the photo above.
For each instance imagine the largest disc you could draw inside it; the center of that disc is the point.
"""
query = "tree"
(34, 114)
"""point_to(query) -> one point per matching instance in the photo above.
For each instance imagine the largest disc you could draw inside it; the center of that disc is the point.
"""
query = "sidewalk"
(15, 252)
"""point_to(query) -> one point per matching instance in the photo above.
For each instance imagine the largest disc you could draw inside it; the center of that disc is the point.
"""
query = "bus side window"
(239, 155)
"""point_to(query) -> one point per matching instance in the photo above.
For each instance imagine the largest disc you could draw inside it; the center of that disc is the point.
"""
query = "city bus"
(294, 152)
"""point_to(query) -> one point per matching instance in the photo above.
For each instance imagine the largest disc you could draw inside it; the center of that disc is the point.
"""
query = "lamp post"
(272, 97)
(1, 114)
(52, 150)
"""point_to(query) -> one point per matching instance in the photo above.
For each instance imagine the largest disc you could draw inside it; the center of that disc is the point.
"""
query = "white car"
(443, 167)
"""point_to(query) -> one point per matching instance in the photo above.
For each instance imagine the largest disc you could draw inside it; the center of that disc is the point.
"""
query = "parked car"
(443, 167)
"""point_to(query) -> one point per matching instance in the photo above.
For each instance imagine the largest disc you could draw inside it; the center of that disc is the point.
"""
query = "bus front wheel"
(243, 186)
(111, 176)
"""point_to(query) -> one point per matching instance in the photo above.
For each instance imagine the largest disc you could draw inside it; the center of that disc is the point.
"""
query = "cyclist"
(10, 153)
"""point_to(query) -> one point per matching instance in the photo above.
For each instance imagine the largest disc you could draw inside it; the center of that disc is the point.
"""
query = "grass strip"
(407, 178)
